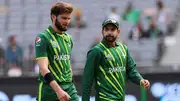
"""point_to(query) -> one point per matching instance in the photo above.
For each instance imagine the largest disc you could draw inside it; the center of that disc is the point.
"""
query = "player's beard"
(110, 38)
(59, 27)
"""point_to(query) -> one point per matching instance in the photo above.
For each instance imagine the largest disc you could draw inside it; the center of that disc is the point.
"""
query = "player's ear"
(118, 30)
(102, 31)
(53, 17)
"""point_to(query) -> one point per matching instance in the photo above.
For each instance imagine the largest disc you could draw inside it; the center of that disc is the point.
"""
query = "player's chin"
(110, 40)
(64, 29)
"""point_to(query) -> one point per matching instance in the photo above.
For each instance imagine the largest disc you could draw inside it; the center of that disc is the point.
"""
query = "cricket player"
(53, 49)
(108, 64)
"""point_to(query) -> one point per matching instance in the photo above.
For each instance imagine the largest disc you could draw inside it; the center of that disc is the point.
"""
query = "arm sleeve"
(40, 46)
(92, 62)
(132, 73)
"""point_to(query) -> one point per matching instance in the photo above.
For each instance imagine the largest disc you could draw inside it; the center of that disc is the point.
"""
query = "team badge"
(38, 41)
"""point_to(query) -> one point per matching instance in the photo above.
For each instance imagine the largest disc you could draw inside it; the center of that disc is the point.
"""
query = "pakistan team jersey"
(57, 47)
(108, 67)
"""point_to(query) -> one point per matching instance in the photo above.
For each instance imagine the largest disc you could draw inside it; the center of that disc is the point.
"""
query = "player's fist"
(62, 95)
(145, 84)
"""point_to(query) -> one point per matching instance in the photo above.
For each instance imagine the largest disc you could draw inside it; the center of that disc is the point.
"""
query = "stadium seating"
(26, 18)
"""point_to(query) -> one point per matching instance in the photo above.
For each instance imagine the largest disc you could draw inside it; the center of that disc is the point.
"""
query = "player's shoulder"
(42, 34)
(122, 45)
(95, 48)
(67, 34)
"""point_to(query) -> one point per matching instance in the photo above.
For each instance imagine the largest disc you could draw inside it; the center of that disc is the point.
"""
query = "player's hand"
(62, 95)
(145, 84)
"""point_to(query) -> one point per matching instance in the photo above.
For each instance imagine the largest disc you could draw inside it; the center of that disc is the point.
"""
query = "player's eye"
(113, 29)
(66, 18)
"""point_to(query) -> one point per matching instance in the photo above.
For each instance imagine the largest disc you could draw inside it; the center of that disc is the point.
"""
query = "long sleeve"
(132, 73)
(92, 62)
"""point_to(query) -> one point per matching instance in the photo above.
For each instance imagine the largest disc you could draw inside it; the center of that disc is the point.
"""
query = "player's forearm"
(54, 85)
(132, 73)
(134, 76)
(43, 65)
(87, 80)
(86, 88)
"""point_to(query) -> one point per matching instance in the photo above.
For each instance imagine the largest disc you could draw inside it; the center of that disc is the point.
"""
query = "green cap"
(110, 21)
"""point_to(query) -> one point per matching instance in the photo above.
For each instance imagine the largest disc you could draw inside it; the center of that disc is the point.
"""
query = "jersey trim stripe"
(54, 38)
(98, 83)
(54, 73)
(40, 58)
(62, 44)
(105, 98)
(110, 81)
(123, 49)
(100, 93)
(40, 91)
(120, 55)
(122, 65)
(66, 51)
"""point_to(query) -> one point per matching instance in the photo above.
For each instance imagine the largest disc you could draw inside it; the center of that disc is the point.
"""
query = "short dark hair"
(61, 8)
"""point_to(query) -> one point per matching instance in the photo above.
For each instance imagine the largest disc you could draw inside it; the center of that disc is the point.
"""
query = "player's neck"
(112, 44)
(56, 29)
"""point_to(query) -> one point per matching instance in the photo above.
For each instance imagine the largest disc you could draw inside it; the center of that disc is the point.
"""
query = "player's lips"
(65, 25)
(110, 37)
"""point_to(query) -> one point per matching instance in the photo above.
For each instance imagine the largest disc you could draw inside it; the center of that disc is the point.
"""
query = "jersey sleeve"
(92, 62)
(132, 73)
(40, 46)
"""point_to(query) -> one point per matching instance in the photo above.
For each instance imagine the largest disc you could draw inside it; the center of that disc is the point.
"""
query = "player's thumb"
(68, 96)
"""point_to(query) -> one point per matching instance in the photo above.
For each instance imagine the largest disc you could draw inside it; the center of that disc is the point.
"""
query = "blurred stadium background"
(150, 29)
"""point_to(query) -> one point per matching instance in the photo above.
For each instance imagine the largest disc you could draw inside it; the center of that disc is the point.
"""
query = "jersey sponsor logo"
(38, 41)
(116, 69)
(61, 57)
(54, 44)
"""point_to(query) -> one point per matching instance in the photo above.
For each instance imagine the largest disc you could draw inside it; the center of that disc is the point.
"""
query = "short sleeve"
(40, 46)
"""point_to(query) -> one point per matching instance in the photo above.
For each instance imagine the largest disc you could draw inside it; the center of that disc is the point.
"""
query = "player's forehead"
(64, 15)
(110, 26)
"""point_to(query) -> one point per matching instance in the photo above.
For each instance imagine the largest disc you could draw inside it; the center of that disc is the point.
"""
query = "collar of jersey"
(53, 32)
(107, 45)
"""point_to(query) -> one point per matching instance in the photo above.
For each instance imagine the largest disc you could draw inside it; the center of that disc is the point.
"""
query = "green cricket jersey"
(57, 47)
(108, 67)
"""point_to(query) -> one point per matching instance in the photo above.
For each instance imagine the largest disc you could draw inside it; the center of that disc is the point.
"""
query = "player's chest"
(114, 56)
(113, 60)
(59, 45)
